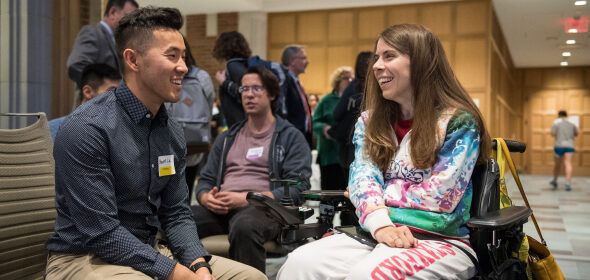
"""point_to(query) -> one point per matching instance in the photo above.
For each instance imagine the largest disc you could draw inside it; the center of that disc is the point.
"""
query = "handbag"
(540, 261)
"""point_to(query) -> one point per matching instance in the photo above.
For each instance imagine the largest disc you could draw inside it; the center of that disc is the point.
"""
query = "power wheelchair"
(495, 234)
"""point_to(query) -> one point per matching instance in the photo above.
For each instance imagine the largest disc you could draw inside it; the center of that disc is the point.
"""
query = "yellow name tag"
(166, 165)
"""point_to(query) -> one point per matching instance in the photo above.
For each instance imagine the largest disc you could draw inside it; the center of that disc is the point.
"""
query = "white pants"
(341, 257)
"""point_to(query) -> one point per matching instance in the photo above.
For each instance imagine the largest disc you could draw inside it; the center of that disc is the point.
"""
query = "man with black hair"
(121, 194)
(96, 43)
(96, 79)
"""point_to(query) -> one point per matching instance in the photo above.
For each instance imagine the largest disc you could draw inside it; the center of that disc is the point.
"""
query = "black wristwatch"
(198, 265)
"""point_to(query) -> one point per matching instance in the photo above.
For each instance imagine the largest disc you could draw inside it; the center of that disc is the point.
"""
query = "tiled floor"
(564, 218)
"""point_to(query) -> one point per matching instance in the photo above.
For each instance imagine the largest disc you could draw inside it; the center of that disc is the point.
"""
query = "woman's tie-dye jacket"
(436, 199)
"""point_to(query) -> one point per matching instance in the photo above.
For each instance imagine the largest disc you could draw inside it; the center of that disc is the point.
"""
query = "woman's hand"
(396, 237)
(220, 76)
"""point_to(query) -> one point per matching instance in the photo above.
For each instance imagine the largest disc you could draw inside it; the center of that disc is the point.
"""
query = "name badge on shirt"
(254, 153)
(166, 165)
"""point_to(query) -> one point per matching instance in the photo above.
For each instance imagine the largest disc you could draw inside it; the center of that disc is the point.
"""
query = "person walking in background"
(96, 43)
(193, 112)
(294, 62)
(564, 133)
(332, 175)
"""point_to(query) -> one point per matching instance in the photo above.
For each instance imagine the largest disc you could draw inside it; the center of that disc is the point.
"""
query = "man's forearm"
(121, 247)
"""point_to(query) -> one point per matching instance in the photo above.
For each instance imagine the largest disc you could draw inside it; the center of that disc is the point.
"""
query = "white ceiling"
(532, 28)
(535, 33)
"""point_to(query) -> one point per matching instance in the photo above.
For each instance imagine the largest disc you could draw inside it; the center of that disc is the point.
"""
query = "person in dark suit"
(294, 61)
(96, 43)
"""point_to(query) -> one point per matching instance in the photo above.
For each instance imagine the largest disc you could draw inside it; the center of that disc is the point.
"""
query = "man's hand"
(220, 76)
(203, 274)
(233, 199)
(326, 134)
(181, 272)
(187, 101)
(269, 194)
(211, 202)
(396, 237)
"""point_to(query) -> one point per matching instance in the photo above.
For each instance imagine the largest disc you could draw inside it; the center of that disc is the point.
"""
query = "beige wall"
(468, 30)
(548, 90)
(505, 97)
(202, 45)
(334, 37)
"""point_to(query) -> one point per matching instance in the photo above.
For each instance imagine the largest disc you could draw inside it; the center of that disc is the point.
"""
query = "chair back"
(485, 181)
(27, 198)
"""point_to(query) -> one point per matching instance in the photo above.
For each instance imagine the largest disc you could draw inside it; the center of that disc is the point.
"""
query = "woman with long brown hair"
(416, 145)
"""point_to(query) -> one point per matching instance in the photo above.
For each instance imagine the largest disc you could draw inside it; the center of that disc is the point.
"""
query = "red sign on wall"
(575, 24)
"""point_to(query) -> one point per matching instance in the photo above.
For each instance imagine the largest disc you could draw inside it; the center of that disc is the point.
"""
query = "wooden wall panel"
(340, 27)
(275, 54)
(550, 90)
(470, 62)
(573, 78)
(371, 23)
(402, 14)
(438, 18)
(339, 56)
(575, 101)
(370, 47)
(314, 78)
(472, 18)
(311, 27)
(533, 78)
(448, 46)
(281, 29)
(470, 46)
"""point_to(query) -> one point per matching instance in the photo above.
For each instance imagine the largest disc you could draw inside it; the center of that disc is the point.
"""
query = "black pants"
(333, 177)
(248, 228)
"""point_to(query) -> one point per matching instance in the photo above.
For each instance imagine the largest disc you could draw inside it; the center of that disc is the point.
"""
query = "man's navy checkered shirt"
(110, 198)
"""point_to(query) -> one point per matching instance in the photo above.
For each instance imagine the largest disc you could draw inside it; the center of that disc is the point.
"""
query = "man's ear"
(130, 58)
(112, 11)
(87, 93)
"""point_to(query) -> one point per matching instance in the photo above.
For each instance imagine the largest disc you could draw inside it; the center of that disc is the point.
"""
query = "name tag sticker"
(166, 165)
(254, 153)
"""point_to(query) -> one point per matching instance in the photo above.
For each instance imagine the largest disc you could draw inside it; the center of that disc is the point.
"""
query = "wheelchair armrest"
(501, 219)
(285, 215)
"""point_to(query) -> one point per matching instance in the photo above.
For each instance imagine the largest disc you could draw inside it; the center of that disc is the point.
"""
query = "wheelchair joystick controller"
(286, 200)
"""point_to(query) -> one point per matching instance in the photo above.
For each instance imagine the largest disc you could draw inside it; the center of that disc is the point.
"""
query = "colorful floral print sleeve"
(437, 199)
